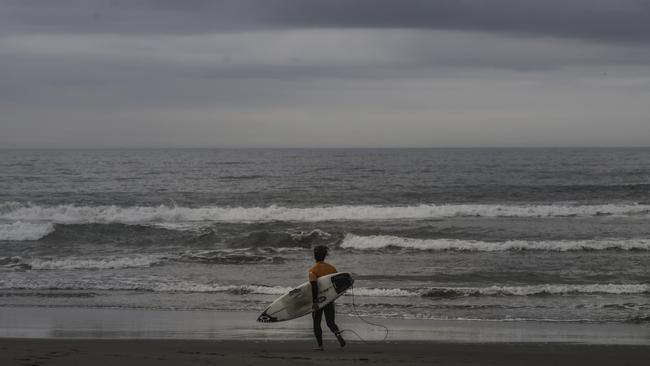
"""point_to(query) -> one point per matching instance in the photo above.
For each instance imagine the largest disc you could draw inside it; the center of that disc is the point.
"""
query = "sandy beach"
(194, 352)
(75, 336)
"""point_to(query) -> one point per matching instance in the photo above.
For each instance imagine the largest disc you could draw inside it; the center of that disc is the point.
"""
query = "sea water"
(554, 235)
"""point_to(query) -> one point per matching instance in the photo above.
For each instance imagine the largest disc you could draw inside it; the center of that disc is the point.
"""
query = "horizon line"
(329, 148)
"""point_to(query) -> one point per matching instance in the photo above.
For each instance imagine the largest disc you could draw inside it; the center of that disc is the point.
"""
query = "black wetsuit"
(318, 270)
(329, 319)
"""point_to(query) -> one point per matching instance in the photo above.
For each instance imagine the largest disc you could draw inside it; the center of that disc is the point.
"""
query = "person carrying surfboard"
(321, 268)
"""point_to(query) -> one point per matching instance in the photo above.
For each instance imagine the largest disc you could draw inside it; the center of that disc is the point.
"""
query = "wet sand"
(203, 352)
(103, 323)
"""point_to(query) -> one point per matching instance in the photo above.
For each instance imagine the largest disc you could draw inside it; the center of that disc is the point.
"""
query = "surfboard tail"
(342, 281)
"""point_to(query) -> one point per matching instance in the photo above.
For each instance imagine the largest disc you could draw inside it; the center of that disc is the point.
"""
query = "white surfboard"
(298, 302)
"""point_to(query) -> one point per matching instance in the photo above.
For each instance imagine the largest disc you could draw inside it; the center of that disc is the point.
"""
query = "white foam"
(161, 284)
(375, 242)
(385, 292)
(234, 289)
(100, 263)
(72, 214)
(20, 230)
(111, 262)
(552, 289)
(530, 290)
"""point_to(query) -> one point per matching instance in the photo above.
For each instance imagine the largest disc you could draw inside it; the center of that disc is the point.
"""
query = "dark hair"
(320, 252)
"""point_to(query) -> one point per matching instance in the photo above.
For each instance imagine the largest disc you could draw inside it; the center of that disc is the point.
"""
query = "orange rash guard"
(320, 269)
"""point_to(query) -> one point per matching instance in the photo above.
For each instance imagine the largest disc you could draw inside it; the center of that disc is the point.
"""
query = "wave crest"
(377, 242)
(72, 214)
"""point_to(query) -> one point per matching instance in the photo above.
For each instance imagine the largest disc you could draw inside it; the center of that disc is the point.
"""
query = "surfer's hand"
(314, 307)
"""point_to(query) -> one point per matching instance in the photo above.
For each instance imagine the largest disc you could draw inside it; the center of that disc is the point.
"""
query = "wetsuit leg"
(318, 331)
(330, 313)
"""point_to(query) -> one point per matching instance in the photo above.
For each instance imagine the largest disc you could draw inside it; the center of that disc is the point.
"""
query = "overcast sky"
(324, 73)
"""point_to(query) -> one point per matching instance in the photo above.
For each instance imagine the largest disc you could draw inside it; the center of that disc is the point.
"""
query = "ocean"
(503, 235)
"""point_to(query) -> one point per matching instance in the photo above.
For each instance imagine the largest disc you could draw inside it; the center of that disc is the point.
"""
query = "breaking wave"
(73, 214)
(376, 242)
(20, 230)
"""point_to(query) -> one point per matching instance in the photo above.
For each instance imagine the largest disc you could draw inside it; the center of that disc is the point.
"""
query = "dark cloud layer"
(324, 73)
(598, 20)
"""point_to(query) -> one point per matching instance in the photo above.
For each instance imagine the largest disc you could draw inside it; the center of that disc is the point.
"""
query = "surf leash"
(354, 307)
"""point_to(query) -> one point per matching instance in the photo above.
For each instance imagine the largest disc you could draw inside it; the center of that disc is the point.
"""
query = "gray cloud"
(598, 20)
(299, 54)
(364, 73)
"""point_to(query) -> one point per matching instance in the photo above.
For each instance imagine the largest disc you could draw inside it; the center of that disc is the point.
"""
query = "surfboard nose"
(266, 318)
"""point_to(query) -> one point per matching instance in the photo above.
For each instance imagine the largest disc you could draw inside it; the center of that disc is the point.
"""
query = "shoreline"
(185, 352)
(112, 323)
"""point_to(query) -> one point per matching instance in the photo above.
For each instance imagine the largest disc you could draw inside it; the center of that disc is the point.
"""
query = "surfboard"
(298, 301)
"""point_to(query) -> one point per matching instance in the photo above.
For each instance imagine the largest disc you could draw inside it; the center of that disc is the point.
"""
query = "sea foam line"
(377, 242)
(135, 261)
(125, 284)
(73, 214)
(70, 263)
(132, 261)
(526, 290)
(170, 285)
(544, 289)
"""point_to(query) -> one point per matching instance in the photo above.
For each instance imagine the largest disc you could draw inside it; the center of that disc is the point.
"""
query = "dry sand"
(201, 352)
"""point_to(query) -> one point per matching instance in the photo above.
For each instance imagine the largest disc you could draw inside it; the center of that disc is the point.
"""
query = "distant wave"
(73, 214)
(232, 257)
(110, 262)
(376, 242)
(141, 285)
(283, 239)
(20, 230)
(100, 263)
(226, 257)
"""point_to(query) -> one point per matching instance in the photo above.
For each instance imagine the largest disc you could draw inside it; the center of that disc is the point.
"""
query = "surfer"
(321, 268)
